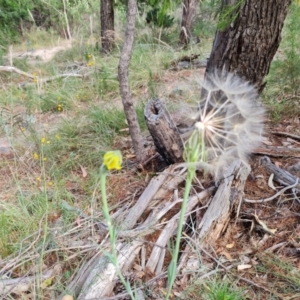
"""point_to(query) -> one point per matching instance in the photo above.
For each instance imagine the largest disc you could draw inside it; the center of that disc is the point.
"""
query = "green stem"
(112, 237)
(173, 264)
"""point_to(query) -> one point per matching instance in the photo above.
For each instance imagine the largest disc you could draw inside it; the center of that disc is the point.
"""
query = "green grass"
(219, 290)
(282, 93)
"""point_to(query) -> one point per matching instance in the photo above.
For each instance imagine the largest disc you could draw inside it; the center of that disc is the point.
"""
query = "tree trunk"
(107, 25)
(134, 128)
(188, 13)
(248, 44)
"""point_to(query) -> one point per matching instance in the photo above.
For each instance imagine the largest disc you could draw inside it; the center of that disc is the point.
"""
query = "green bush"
(11, 14)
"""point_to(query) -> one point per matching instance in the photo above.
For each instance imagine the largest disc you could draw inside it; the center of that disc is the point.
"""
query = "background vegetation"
(58, 131)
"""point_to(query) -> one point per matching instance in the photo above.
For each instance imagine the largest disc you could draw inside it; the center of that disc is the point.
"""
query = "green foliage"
(157, 12)
(228, 14)
(222, 291)
(283, 90)
(11, 14)
(205, 24)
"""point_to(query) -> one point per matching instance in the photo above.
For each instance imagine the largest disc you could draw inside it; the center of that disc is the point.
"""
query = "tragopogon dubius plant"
(227, 125)
(228, 120)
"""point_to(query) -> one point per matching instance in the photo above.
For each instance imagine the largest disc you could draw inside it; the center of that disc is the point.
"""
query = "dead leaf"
(67, 297)
(124, 130)
(78, 221)
(230, 246)
(84, 172)
(226, 254)
(130, 155)
(270, 182)
(243, 267)
(278, 164)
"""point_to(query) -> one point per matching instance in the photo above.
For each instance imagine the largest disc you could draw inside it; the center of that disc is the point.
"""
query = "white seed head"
(230, 118)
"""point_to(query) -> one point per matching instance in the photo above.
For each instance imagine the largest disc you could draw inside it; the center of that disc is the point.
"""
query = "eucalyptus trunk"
(249, 39)
(188, 14)
(107, 25)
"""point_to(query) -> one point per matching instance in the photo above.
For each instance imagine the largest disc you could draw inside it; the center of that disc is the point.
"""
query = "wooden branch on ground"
(281, 176)
(16, 70)
(225, 201)
(20, 285)
(278, 151)
(102, 278)
(36, 78)
(145, 199)
(158, 252)
(297, 137)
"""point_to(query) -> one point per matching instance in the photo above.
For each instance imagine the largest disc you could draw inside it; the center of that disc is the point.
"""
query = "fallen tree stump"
(164, 132)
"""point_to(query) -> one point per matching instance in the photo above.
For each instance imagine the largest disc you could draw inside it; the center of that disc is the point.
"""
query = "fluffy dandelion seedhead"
(228, 120)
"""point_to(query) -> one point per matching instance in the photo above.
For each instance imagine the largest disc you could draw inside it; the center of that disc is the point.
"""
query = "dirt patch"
(42, 54)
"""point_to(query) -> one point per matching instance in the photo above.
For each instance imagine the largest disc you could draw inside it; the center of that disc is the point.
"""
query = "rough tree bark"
(165, 134)
(134, 128)
(188, 14)
(247, 45)
(107, 25)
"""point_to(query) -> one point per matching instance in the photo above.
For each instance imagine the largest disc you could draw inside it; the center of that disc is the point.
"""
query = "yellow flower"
(90, 63)
(112, 160)
(43, 140)
(59, 107)
(50, 183)
(35, 156)
(45, 159)
(57, 136)
(38, 179)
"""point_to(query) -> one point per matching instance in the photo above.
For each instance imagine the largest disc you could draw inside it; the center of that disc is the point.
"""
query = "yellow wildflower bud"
(112, 160)
(35, 156)
(43, 140)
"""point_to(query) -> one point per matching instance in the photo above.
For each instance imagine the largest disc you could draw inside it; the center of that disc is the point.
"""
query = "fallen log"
(278, 151)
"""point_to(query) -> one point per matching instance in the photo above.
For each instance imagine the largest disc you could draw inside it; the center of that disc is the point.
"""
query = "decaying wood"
(103, 276)
(164, 132)
(145, 199)
(16, 70)
(281, 176)
(278, 151)
(294, 136)
(169, 229)
(21, 285)
(226, 199)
